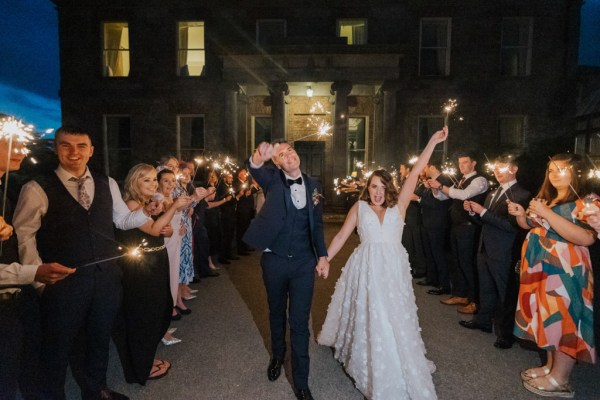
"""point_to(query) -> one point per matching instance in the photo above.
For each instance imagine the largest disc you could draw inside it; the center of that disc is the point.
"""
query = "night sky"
(29, 70)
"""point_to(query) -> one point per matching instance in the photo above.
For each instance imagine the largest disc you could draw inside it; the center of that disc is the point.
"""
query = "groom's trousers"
(290, 280)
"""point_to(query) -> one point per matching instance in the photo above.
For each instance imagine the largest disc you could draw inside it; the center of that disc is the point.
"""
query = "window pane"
(427, 127)
(435, 47)
(580, 144)
(262, 130)
(356, 143)
(434, 34)
(355, 31)
(510, 131)
(516, 48)
(118, 143)
(433, 62)
(191, 57)
(116, 49)
(191, 136)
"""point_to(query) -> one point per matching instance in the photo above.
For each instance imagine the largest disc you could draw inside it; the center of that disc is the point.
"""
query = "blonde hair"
(131, 190)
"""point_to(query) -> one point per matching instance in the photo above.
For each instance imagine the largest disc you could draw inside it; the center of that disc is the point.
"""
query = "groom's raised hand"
(264, 152)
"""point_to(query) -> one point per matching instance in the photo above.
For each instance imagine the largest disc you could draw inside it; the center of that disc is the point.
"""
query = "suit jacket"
(435, 212)
(499, 228)
(266, 226)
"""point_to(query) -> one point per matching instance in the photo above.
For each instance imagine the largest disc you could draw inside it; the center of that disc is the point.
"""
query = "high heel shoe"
(170, 342)
(171, 331)
(183, 311)
(190, 297)
(192, 291)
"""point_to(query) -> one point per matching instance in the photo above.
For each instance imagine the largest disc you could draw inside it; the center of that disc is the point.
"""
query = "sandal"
(557, 390)
(526, 375)
(164, 364)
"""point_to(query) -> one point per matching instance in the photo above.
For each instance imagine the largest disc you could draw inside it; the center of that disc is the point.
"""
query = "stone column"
(377, 139)
(230, 126)
(341, 89)
(278, 92)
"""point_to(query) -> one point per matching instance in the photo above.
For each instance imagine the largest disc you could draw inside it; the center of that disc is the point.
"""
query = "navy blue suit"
(295, 240)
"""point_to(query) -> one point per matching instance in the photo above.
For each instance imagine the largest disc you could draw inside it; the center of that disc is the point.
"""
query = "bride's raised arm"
(411, 181)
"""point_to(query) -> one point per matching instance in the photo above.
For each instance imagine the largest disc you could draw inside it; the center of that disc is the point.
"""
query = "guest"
(225, 190)
(67, 216)
(594, 220)
(435, 229)
(463, 232)
(555, 298)
(244, 211)
(147, 301)
(411, 235)
(19, 308)
(495, 262)
(213, 220)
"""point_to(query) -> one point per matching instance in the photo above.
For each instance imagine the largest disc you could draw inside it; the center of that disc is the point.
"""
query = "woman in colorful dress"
(556, 291)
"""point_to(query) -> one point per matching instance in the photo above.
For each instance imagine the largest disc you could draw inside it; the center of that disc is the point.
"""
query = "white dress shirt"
(33, 205)
(298, 191)
(504, 187)
(477, 186)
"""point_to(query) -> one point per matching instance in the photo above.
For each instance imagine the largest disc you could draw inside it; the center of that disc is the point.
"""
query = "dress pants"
(289, 282)
(228, 227)
(84, 303)
(462, 274)
(19, 345)
(494, 278)
(201, 249)
(435, 253)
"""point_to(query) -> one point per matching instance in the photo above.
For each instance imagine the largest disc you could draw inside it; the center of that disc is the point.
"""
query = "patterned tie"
(82, 195)
(461, 183)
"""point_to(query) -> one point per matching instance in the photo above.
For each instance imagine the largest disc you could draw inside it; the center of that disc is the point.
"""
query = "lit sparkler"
(413, 160)
(449, 107)
(133, 252)
(450, 172)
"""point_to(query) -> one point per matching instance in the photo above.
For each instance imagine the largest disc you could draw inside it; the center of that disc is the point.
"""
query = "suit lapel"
(309, 202)
(287, 193)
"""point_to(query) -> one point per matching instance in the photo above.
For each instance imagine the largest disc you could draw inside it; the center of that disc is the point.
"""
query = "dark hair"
(464, 153)
(549, 193)
(506, 159)
(162, 172)
(391, 193)
(71, 130)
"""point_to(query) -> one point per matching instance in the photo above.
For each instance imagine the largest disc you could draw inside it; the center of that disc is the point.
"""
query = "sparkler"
(323, 127)
(450, 172)
(449, 107)
(413, 160)
(133, 252)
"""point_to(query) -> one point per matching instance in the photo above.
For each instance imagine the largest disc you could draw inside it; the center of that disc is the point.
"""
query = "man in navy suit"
(289, 231)
(495, 255)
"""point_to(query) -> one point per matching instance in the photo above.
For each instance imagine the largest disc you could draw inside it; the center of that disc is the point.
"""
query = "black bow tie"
(297, 181)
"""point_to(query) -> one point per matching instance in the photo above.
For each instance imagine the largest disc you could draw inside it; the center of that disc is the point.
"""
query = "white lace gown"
(372, 319)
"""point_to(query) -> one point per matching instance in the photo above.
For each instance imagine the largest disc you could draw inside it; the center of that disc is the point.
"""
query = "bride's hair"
(391, 193)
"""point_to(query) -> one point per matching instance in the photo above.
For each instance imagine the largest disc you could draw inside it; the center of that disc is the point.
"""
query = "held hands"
(515, 209)
(323, 267)
(52, 273)
(167, 230)
(6, 230)
(539, 207)
(434, 184)
(153, 207)
(200, 193)
(593, 218)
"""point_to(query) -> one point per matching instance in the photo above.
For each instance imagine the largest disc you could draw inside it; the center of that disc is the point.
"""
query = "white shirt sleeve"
(17, 274)
(123, 218)
(254, 165)
(477, 186)
(438, 194)
(27, 220)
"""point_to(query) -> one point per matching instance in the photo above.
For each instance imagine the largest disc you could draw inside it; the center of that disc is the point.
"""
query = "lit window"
(191, 55)
(427, 127)
(434, 57)
(190, 131)
(270, 31)
(354, 30)
(357, 135)
(510, 131)
(117, 141)
(116, 49)
(516, 46)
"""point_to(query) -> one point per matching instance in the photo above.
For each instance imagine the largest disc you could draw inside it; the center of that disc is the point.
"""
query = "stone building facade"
(155, 77)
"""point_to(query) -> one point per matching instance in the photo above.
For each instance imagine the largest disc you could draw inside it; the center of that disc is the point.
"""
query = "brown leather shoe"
(470, 308)
(452, 301)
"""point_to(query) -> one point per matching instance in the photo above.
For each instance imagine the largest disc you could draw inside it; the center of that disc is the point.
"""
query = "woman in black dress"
(147, 302)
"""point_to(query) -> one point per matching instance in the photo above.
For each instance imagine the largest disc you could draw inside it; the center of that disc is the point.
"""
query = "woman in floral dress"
(556, 291)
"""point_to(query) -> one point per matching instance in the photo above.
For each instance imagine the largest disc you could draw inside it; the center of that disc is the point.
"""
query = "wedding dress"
(372, 318)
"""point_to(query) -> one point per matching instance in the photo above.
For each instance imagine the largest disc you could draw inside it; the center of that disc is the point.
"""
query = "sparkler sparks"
(449, 107)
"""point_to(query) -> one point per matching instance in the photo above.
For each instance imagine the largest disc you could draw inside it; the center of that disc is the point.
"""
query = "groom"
(289, 230)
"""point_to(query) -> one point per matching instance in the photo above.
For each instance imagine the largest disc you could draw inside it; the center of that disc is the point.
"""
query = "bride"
(372, 319)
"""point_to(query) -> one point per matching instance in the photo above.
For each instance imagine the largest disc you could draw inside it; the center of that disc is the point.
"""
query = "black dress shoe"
(426, 283)
(176, 317)
(195, 280)
(438, 291)
(183, 311)
(503, 343)
(418, 275)
(274, 369)
(224, 261)
(107, 394)
(233, 258)
(472, 324)
(304, 394)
